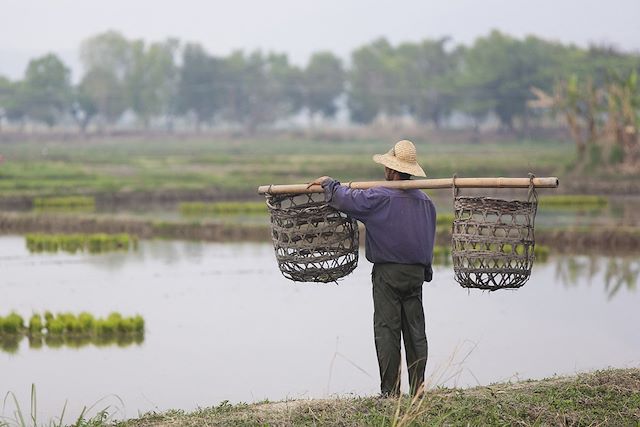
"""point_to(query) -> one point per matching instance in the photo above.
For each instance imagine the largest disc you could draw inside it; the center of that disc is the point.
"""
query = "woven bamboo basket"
(313, 242)
(492, 243)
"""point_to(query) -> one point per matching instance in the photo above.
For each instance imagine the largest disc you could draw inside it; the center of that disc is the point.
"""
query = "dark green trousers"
(397, 304)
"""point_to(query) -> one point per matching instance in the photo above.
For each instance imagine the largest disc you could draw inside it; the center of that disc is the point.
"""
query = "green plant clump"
(442, 254)
(12, 324)
(35, 324)
(222, 208)
(69, 324)
(444, 220)
(65, 202)
(72, 243)
(573, 201)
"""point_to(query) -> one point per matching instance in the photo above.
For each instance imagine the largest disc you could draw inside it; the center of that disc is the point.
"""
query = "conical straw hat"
(402, 158)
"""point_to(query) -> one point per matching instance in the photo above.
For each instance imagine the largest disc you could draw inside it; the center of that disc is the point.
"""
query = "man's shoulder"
(412, 193)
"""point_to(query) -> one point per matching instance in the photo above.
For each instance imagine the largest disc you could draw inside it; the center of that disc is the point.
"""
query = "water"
(223, 324)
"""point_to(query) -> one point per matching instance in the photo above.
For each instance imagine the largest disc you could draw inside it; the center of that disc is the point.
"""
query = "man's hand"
(319, 181)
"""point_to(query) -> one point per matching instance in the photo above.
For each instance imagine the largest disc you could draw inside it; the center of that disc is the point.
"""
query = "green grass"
(609, 397)
(222, 208)
(72, 243)
(573, 201)
(444, 220)
(65, 202)
(22, 418)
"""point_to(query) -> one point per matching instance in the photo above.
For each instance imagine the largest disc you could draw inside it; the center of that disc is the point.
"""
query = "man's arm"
(357, 203)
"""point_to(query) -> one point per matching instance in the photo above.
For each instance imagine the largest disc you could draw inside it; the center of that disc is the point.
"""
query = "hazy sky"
(298, 27)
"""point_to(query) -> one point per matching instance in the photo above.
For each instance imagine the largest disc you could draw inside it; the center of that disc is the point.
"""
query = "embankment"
(610, 398)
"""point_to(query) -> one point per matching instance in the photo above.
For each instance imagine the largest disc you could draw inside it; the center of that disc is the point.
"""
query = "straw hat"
(402, 158)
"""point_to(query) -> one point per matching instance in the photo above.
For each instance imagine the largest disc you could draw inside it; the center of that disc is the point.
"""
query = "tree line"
(428, 81)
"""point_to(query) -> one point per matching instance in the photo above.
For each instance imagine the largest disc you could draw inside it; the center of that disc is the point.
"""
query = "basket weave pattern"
(492, 242)
(313, 242)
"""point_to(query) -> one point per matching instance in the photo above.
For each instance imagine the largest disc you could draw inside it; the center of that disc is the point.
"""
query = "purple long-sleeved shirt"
(400, 224)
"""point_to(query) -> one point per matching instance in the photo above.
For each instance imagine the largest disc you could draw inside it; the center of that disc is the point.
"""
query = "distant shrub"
(616, 155)
(595, 155)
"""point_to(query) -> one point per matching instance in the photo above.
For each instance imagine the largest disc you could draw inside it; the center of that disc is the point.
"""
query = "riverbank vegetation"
(72, 243)
(609, 397)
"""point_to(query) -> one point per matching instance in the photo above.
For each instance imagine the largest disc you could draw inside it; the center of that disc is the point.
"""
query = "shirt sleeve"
(357, 203)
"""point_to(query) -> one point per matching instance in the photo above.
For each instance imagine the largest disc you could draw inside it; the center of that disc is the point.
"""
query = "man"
(400, 230)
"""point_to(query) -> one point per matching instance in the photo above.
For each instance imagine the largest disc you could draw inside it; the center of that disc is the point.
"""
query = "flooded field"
(223, 324)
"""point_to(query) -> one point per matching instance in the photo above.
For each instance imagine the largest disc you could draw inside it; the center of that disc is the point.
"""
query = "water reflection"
(619, 273)
(11, 343)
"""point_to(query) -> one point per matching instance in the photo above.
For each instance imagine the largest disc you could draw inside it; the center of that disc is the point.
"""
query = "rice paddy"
(176, 165)
(68, 329)
(72, 243)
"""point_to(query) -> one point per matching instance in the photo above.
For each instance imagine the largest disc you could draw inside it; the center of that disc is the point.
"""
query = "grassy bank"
(609, 397)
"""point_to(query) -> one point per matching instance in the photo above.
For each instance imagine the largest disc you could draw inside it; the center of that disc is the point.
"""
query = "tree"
(472, 98)
(101, 89)
(426, 80)
(12, 101)
(151, 80)
(601, 118)
(374, 84)
(624, 116)
(108, 59)
(84, 107)
(109, 51)
(503, 69)
(6, 91)
(47, 89)
(323, 83)
(199, 89)
(261, 88)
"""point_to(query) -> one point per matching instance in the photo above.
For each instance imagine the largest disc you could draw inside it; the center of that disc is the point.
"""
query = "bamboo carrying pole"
(546, 182)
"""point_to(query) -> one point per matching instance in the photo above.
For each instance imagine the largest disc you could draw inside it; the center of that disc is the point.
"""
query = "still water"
(223, 324)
